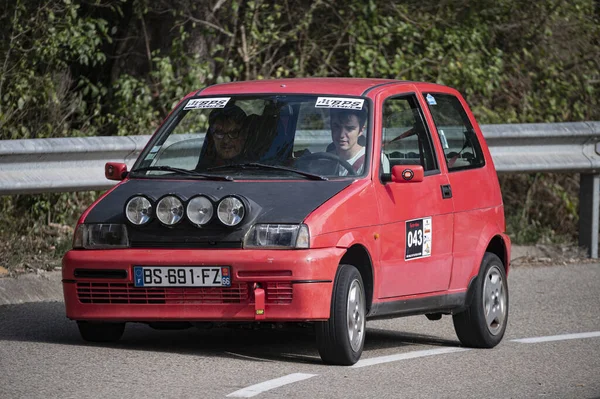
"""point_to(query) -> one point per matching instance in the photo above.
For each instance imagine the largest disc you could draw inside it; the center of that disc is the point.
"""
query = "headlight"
(100, 236)
(169, 210)
(138, 210)
(200, 210)
(231, 211)
(278, 236)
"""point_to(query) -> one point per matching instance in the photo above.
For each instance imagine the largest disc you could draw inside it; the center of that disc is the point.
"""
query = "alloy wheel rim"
(356, 315)
(494, 300)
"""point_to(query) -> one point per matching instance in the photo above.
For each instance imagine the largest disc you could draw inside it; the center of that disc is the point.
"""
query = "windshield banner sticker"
(339, 102)
(418, 238)
(207, 103)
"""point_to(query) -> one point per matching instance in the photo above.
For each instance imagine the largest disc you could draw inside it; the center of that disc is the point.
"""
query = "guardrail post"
(589, 212)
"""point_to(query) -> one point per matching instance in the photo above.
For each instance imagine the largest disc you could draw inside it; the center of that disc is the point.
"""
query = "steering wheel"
(330, 157)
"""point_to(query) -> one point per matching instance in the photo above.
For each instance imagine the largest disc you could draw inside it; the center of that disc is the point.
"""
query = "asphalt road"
(42, 356)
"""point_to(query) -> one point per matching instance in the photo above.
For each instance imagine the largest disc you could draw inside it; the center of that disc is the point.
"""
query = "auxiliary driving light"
(138, 210)
(200, 210)
(231, 211)
(169, 210)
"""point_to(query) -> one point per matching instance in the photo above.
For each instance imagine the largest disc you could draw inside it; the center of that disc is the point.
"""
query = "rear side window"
(405, 138)
(459, 141)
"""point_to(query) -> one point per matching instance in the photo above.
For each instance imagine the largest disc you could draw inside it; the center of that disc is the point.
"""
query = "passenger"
(347, 132)
(347, 128)
(225, 139)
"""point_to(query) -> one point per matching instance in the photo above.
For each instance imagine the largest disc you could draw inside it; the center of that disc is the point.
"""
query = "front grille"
(120, 293)
(279, 293)
(123, 293)
(100, 273)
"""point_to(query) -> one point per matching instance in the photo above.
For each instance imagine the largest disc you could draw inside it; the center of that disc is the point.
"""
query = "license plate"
(182, 276)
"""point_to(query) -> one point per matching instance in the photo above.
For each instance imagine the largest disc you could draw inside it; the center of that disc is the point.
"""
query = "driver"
(347, 128)
(226, 137)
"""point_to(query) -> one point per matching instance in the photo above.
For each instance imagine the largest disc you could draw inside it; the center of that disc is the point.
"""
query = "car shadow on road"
(46, 322)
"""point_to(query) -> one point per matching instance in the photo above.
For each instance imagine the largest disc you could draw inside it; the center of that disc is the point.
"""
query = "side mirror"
(115, 170)
(407, 173)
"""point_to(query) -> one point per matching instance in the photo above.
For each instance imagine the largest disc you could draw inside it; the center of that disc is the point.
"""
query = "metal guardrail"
(77, 164)
(545, 147)
(63, 164)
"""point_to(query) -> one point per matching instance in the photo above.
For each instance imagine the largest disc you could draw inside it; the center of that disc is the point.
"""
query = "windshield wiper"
(183, 172)
(312, 176)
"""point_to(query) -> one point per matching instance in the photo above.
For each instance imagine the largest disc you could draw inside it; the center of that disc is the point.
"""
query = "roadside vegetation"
(117, 67)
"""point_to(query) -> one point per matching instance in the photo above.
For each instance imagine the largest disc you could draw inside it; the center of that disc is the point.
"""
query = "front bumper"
(269, 285)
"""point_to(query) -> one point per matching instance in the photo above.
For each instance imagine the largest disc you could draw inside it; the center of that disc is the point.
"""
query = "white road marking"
(557, 337)
(254, 390)
(405, 356)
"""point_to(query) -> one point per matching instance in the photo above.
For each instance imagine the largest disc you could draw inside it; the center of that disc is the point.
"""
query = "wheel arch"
(358, 256)
(499, 245)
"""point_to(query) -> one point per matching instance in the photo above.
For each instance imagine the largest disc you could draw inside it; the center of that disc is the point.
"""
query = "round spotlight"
(138, 210)
(169, 210)
(200, 210)
(231, 211)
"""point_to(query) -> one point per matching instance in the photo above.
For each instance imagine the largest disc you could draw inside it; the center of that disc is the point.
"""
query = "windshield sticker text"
(207, 103)
(339, 102)
(418, 238)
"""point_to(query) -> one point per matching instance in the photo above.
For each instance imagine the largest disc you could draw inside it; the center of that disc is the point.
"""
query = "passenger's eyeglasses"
(219, 134)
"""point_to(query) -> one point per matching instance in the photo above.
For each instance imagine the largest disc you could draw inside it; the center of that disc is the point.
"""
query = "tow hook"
(259, 302)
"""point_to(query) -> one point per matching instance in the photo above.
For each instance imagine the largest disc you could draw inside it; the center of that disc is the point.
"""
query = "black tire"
(333, 336)
(483, 324)
(100, 332)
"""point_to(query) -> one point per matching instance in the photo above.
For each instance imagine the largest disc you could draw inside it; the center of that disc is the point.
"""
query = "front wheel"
(341, 339)
(483, 324)
(100, 332)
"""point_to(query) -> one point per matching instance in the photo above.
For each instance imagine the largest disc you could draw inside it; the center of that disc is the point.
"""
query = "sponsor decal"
(207, 103)
(339, 102)
(443, 139)
(408, 174)
(418, 238)
(431, 100)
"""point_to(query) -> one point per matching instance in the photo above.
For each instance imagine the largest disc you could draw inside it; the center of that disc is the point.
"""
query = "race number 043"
(418, 238)
(414, 238)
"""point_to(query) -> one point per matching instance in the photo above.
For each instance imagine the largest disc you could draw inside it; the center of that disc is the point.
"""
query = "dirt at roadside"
(38, 252)
(549, 255)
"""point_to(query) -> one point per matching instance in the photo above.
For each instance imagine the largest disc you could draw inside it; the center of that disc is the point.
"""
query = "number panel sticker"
(418, 238)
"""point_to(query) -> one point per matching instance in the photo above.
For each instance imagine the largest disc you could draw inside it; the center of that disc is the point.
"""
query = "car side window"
(459, 141)
(406, 140)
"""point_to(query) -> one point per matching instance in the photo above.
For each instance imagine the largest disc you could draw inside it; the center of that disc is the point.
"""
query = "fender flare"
(488, 233)
(350, 241)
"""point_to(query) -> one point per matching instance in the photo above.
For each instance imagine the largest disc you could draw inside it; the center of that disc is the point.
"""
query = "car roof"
(333, 86)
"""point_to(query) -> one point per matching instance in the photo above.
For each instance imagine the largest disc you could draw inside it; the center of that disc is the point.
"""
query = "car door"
(417, 218)
(477, 200)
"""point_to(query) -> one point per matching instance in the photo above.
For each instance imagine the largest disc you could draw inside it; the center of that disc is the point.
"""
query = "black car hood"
(268, 202)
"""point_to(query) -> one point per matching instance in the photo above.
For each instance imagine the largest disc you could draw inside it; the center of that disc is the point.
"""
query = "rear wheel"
(100, 332)
(341, 339)
(483, 324)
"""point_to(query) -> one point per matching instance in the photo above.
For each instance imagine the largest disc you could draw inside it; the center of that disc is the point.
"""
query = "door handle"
(446, 191)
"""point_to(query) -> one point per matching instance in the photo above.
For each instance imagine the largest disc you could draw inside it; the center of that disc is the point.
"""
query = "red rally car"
(327, 201)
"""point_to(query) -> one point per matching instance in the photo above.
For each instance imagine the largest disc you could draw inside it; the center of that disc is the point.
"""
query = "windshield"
(261, 137)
